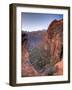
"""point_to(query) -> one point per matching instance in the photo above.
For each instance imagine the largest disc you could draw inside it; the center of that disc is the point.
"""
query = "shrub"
(39, 58)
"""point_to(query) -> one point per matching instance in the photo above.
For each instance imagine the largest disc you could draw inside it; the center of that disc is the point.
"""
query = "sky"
(37, 21)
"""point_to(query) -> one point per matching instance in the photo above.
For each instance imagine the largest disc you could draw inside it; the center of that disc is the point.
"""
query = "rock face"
(55, 40)
(59, 68)
(42, 51)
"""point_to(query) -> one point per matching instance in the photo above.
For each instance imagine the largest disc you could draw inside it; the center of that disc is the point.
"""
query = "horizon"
(35, 30)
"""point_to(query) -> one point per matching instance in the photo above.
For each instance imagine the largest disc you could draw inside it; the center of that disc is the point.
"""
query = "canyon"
(42, 51)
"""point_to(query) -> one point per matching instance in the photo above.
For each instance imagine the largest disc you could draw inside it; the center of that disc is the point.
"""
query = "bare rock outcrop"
(55, 40)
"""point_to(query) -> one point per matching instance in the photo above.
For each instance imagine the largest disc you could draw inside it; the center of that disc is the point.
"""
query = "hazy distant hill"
(35, 38)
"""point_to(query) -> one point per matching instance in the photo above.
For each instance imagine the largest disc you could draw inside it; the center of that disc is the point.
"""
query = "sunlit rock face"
(55, 39)
(42, 51)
